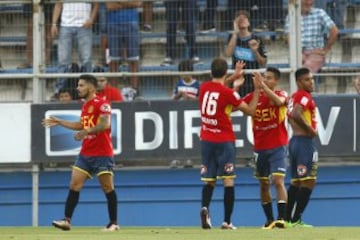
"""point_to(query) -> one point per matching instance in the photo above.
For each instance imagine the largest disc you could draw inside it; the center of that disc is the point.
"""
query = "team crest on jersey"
(90, 109)
(203, 169)
(301, 170)
(304, 100)
(105, 107)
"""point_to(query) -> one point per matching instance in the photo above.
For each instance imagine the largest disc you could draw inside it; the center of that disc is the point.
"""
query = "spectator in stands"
(105, 90)
(335, 9)
(188, 12)
(29, 35)
(68, 83)
(123, 37)
(315, 23)
(147, 16)
(108, 92)
(247, 47)
(187, 88)
(209, 16)
(357, 84)
(76, 25)
(66, 95)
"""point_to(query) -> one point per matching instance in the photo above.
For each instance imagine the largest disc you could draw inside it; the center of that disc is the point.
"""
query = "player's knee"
(107, 187)
(210, 183)
(76, 186)
(228, 182)
(278, 181)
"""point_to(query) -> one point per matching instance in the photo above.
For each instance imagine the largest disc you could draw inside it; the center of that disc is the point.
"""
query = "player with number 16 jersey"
(216, 103)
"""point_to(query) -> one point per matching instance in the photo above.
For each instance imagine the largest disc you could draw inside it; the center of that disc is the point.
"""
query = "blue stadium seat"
(10, 8)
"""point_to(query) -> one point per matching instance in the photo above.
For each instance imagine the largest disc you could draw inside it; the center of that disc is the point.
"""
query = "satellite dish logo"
(59, 141)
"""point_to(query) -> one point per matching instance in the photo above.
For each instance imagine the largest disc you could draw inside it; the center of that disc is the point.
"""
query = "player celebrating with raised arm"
(270, 145)
(217, 101)
(302, 152)
(96, 155)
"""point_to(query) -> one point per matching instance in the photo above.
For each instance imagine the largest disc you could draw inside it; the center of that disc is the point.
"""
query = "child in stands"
(187, 87)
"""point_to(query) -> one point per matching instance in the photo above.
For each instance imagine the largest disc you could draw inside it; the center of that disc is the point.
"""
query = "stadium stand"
(344, 56)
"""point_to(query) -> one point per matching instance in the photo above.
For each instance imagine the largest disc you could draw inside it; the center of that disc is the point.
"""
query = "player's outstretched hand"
(50, 122)
(239, 69)
(258, 81)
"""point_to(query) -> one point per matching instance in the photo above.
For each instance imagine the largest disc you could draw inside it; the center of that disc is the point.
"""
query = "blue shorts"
(94, 165)
(217, 160)
(303, 158)
(124, 36)
(270, 162)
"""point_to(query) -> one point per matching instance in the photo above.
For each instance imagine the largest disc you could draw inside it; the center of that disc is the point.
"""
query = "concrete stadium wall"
(171, 197)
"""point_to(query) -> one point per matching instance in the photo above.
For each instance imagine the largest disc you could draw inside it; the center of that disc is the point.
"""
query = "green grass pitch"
(179, 233)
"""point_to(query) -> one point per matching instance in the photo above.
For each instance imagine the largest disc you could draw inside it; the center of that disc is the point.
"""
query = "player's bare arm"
(277, 100)
(53, 121)
(55, 18)
(299, 125)
(250, 108)
(103, 124)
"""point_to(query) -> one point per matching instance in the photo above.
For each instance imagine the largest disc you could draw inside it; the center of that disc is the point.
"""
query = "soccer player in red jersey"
(96, 154)
(216, 102)
(270, 145)
(302, 152)
(108, 92)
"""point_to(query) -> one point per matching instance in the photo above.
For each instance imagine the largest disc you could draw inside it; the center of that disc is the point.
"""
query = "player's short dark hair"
(186, 66)
(300, 72)
(275, 71)
(219, 67)
(89, 79)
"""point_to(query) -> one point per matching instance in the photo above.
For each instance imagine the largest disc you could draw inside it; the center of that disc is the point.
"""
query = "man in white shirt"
(75, 26)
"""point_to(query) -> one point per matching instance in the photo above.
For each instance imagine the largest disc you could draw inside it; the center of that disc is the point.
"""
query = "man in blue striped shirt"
(318, 34)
